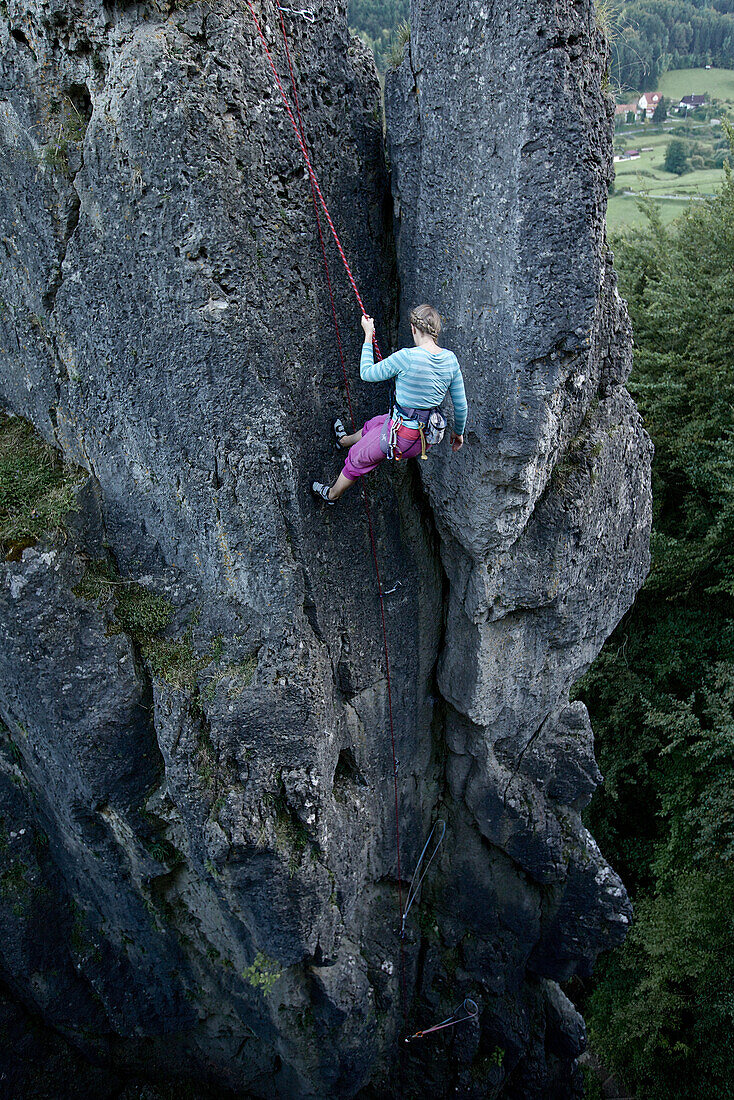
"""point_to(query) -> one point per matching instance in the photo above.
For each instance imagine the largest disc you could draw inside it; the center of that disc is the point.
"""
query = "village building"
(647, 103)
(690, 102)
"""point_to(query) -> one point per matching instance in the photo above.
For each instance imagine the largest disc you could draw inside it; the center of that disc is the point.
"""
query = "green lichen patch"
(13, 880)
(292, 838)
(98, 583)
(36, 487)
(139, 612)
(142, 613)
(175, 660)
(580, 452)
(15, 888)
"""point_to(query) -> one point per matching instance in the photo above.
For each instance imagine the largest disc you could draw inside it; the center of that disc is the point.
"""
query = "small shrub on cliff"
(608, 14)
(400, 39)
(262, 974)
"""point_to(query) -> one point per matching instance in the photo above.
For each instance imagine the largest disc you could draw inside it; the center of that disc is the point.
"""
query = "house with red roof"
(647, 103)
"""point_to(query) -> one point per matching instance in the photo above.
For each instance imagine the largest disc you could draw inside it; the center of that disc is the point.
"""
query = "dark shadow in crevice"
(347, 775)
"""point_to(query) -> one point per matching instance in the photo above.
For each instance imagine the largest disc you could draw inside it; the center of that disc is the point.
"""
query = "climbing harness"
(431, 424)
(467, 1010)
(431, 428)
(415, 882)
(299, 130)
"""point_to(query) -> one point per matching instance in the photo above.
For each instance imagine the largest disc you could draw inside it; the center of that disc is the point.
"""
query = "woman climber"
(423, 374)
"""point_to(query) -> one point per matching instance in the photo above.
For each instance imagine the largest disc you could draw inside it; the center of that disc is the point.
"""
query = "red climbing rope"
(311, 172)
(299, 131)
(318, 222)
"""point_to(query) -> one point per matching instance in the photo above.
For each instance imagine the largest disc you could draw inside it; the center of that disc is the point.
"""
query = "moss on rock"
(37, 488)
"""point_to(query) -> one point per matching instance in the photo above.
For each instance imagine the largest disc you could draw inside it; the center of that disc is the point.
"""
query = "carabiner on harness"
(415, 882)
(396, 423)
(467, 1010)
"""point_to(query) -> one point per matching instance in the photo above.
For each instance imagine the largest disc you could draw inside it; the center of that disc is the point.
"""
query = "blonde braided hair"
(426, 319)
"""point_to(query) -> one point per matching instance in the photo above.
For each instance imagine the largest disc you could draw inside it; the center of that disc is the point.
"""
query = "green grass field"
(623, 211)
(646, 175)
(717, 83)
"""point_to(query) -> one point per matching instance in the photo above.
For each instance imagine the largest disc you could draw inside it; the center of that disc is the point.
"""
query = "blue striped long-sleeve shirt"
(421, 378)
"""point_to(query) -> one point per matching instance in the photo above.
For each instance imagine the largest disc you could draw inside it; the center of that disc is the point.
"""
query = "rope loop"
(416, 885)
(467, 1010)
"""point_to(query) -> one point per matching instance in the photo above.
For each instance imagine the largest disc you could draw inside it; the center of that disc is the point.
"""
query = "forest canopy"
(652, 36)
(661, 693)
(376, 21)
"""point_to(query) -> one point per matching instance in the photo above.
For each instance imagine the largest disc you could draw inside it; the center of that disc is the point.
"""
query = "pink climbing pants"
(366, 454)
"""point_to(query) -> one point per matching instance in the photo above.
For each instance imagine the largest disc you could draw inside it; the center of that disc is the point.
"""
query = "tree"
(676, 157)
(661, 694)
(653, 36)
(661, 110)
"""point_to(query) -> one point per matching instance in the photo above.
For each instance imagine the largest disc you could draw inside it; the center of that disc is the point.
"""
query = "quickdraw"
(309, 16)
(467, 1010)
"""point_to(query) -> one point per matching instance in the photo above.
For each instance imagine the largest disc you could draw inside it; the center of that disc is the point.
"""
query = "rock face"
(501, 158)
(197, 774)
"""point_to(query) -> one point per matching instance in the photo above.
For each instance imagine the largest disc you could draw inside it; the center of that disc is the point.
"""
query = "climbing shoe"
(323, 492)
(339, 431)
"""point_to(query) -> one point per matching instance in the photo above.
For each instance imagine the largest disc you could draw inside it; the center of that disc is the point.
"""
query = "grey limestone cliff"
(199, 867)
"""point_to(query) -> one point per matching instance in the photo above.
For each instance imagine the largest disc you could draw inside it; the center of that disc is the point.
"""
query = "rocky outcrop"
(197, 772)
(498, 130)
